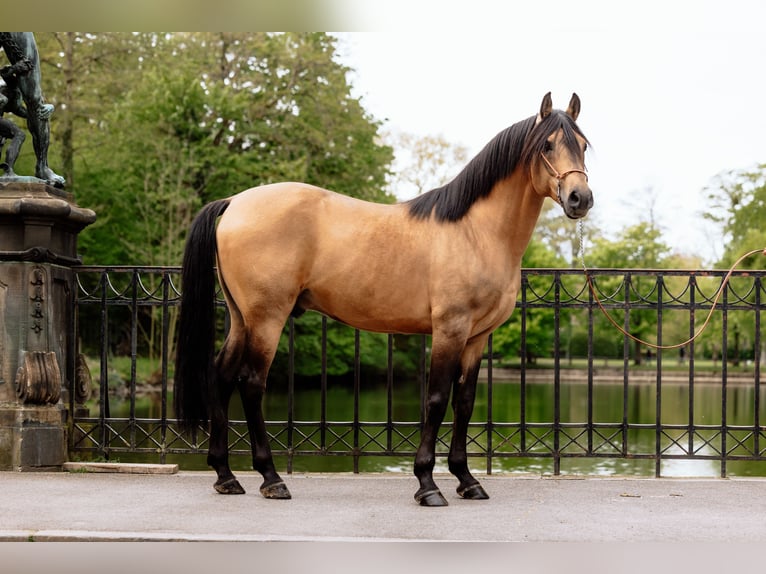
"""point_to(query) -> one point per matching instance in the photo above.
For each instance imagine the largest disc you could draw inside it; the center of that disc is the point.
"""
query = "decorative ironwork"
(649, 298)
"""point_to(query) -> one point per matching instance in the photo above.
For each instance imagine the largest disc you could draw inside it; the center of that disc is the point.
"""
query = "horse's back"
(299, 216)
(291, 244)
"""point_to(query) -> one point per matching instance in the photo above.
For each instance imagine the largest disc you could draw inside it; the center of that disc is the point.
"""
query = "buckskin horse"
(447, 263)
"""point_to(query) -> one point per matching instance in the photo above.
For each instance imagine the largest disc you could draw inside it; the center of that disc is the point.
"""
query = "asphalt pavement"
(114, 506)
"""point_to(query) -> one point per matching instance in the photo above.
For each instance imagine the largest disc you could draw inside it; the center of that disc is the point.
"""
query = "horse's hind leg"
(252, 387)
(218, 451)
(463, 396)
(252, 390)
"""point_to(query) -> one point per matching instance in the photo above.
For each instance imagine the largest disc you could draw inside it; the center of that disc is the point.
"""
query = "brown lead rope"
(637, 339)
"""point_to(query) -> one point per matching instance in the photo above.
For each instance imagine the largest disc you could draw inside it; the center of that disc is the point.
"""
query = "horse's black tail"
(195, 371)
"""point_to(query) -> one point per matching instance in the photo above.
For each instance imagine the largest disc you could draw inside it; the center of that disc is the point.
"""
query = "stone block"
(32, 437)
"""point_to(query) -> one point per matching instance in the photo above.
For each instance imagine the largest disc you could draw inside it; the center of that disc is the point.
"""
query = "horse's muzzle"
(577, 202)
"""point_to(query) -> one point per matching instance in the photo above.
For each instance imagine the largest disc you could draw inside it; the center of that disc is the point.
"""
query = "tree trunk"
(637, 358)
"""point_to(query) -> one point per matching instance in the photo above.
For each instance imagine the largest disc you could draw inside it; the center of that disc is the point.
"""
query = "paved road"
(340, 507)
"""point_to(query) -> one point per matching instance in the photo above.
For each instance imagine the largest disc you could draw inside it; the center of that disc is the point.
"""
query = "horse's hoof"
(473, 492)
(430, 498)
(229, 486)
(277, 491)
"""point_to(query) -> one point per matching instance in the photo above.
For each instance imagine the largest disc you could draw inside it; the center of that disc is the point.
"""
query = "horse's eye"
(548, 146)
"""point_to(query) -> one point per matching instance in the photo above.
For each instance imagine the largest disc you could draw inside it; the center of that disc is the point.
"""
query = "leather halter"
(561, 176)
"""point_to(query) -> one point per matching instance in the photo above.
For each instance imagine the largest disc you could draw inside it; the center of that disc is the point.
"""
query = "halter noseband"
(560, 176)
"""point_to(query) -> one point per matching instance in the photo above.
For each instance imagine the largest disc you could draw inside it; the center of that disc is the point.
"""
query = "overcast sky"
(672, 92)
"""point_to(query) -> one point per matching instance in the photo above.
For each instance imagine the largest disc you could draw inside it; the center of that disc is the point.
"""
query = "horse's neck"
(510, 213)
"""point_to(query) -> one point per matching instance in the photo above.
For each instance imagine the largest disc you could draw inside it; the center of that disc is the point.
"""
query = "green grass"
(148, 370)
(119, 370)
(668, 364)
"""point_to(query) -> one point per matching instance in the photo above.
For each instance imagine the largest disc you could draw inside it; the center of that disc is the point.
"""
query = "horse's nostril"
(574, 199)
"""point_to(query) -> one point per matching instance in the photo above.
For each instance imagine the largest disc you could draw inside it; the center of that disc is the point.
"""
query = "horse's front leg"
(445, 368)
(463, 397)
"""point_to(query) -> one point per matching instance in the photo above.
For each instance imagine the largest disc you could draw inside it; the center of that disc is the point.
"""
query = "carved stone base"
(32, 438)
(38, 380)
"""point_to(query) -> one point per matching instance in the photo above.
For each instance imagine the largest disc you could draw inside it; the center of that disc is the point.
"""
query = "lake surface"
(607, 408)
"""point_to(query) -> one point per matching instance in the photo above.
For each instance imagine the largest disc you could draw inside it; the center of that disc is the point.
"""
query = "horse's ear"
(546, 107)
(574, 107)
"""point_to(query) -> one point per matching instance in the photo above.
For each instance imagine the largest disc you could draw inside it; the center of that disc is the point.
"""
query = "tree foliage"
(639, 246)
(539, 322)
(737, 203)
(150, 127)
(424, 162)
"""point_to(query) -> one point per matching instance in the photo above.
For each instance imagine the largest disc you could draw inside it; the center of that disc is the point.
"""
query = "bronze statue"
(10, 101)
(22, 82)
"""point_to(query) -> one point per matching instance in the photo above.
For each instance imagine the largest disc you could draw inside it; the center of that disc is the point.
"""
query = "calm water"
(607, 408)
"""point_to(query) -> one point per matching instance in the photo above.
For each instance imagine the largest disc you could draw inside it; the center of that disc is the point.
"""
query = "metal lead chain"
(581, 235)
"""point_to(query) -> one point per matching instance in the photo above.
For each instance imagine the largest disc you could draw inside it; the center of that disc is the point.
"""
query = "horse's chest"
(504, 305)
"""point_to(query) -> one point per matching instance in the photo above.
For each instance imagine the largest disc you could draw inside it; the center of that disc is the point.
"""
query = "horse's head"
(555, 153)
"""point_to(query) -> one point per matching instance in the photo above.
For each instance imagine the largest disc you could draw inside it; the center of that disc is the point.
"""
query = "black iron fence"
(560, 385)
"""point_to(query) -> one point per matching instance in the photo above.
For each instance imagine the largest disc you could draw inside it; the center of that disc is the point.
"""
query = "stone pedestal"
(38, 246)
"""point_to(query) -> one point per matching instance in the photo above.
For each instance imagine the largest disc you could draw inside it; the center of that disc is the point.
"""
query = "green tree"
(211, 115)
(340, 349)
(737, 203)
(161, 123)
(562, 235)
(424, 162)
(83, 75)
(506, 339)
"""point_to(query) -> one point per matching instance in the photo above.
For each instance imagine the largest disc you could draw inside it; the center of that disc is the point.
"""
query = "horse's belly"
(364, 309)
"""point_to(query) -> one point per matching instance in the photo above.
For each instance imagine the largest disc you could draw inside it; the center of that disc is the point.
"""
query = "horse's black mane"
(518, 144)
